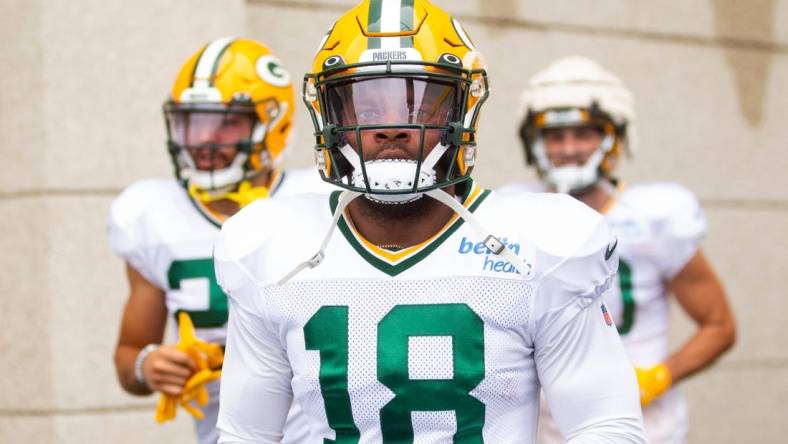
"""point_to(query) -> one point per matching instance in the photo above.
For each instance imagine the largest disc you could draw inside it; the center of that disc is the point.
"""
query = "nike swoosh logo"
(610, 249)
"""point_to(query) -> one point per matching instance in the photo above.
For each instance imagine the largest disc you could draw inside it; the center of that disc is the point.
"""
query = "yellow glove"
(206, 358)
(653, 382)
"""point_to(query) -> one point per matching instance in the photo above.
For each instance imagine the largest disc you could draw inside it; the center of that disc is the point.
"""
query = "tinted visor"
(194, 127)
(392, 101)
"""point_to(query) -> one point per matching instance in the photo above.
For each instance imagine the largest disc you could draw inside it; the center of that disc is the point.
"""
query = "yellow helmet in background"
(426, 52)
(229, 117)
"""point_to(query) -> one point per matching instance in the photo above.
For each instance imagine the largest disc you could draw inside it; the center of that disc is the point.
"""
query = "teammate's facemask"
(393, 133)
(210, 143)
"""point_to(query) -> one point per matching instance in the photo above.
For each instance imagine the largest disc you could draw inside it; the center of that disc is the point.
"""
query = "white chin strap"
(569, 178)
(393, 175)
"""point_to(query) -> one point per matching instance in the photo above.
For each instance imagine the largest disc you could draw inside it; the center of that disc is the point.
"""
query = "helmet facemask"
(393, 131)
(211, 145)
(229, 117)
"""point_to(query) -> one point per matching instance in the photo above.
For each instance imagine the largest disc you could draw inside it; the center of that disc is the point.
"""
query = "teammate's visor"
(195, 128)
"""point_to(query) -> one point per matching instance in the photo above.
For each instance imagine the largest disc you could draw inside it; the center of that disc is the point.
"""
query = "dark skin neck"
(227, 207)
(400, 232)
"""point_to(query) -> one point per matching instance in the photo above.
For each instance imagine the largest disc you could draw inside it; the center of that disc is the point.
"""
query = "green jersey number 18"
(327, 332)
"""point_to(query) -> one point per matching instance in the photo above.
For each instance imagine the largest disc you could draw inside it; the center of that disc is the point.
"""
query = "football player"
(438, 309)
(578, 118)
(228, 119)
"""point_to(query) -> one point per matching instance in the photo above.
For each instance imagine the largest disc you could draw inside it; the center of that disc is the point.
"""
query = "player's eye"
(368, 116)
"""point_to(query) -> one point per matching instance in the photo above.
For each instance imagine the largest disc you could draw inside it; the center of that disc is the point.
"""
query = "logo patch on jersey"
(495, 262)
(606, 316)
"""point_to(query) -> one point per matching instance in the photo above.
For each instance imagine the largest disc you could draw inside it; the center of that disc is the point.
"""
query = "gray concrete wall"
(80, 119)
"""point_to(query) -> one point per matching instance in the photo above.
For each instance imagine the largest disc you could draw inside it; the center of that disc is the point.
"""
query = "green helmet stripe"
(407, 13)
(373, 22)
(399, 13)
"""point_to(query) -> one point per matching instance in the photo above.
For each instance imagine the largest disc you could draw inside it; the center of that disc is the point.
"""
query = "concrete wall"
(80, 119)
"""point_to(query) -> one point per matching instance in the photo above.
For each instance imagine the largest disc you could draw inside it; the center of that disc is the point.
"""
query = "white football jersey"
(444, 341)
(659, 227)
(163, 234)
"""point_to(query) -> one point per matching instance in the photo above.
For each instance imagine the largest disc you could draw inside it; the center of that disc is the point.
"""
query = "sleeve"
(588, 380)
(255, 390)
(126, 233)
(682, 229)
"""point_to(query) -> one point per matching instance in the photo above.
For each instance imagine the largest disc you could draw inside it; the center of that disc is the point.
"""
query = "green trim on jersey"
(395, 269)
(210, 219)
(627, 299)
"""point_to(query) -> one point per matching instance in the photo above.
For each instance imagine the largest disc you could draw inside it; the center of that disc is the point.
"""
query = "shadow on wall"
(497, 8)
(751, 67)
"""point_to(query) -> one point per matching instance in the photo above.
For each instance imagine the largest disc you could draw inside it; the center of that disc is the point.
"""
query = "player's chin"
(401, 211)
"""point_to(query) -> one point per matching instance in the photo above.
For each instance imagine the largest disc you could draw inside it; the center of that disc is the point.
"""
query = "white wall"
(80, 119)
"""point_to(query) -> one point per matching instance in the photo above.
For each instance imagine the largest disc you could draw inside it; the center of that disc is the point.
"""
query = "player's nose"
(393, 134)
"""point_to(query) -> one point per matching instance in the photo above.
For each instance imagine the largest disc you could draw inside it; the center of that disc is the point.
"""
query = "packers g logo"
(270, 69)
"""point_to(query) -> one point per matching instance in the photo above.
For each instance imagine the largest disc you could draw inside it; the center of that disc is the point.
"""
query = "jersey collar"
(396, 262)
(217, 219)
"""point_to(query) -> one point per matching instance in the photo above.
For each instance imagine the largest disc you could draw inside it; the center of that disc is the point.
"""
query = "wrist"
(139, 375)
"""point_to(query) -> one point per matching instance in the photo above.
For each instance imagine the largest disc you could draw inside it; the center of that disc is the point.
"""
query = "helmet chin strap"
(569, 178)
(573, 177)
(491, 242)
(393, 175)
(344, 200)
(216, 183)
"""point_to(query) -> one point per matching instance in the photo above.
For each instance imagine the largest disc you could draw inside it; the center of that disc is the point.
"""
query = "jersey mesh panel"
(503, 305)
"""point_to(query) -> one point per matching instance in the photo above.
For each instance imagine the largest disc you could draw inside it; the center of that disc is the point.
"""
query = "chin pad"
(393, 175)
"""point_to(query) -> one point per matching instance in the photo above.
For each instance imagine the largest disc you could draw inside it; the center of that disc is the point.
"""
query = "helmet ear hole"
(333, 62)
(450, 60)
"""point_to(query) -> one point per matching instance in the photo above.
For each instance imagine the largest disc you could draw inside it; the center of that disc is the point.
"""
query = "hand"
(205, 359)
(653, 382)
(167, 369)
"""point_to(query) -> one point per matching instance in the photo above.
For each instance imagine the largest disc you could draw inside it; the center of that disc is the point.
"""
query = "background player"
(398, 330)
(228, 118)
(577, 120)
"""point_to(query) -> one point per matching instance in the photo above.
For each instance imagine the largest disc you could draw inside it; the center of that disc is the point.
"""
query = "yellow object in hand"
(206, 357)
(653, 382)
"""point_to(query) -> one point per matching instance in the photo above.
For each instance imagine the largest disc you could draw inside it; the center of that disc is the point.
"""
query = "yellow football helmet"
(417, 59)
(575, 92)
(228, 117)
